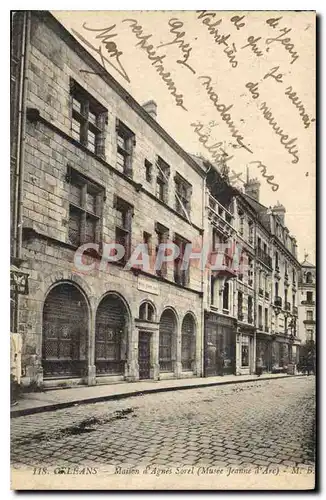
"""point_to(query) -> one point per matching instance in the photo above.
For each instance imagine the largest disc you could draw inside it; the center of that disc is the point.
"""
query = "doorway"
(144, 355)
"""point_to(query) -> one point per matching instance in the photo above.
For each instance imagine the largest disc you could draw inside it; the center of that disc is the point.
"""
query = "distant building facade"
(307, 302)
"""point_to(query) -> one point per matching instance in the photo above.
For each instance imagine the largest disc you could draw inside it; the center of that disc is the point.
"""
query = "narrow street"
(255, 423)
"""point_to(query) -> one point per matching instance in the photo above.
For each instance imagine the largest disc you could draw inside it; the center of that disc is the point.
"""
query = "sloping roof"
(305, 263)
(260, 210)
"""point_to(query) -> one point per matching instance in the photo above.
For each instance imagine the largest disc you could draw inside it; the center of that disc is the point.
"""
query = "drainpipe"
(202, 357)
(22, 134)
(20, 154)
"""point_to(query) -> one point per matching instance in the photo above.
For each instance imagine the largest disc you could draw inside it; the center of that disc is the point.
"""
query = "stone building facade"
(94, 167)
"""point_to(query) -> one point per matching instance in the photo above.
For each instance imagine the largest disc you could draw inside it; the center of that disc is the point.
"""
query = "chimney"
(252, 187)
(151, 108)
(280, 211)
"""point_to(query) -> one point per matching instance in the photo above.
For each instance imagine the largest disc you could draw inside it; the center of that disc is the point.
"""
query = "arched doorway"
(111, 336)
(168, 334)
(65, 332)
(188, 342)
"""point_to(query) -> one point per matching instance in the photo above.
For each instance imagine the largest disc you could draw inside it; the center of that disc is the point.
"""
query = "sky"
(244, 80)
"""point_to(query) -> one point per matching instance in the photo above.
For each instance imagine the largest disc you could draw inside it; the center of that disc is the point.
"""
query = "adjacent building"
(91, 167)
(307, 302)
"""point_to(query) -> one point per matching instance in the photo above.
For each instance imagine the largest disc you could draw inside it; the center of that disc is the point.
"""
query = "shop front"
(220, 345)
(264, 352)
(245, 364)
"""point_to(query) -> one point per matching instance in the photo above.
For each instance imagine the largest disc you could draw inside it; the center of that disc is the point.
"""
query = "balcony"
(267, 295)
(264, 257)
(222, 265)
(308, 302)
(261, 292)
(295, 310)
(278, 301)
(309, 322)
(287, 306)
(220, 218)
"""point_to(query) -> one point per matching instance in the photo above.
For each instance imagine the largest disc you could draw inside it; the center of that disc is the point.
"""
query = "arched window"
(65, 332)
(188, 342)
(168, 333)
(309, 277)
(146, 311)
(110, 335)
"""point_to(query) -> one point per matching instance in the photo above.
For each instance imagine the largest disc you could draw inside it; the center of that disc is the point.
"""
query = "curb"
(111, 397)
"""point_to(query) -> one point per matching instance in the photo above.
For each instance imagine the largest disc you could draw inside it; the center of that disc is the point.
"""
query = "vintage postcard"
(163, 272)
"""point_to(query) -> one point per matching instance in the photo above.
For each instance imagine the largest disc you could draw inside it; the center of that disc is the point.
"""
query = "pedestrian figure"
(220, 363)
(259, 367)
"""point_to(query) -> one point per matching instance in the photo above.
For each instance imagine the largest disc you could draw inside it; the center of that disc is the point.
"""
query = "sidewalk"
(37, 402)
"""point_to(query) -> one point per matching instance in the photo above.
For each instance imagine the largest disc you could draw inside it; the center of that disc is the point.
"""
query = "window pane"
(75, 194)
(76, 104)
(120, 218)
(74, 226)
(75, 129)
(121, 142)
(92, 117)
(91, 202)
(91, 141)
(90, 229)
(120, 161)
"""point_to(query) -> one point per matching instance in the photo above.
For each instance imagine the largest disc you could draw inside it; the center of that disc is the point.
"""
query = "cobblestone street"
(254, 423)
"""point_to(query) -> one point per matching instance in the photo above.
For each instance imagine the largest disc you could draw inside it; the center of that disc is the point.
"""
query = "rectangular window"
(309, 296)
(250, 310)
(266, 319)
(241, 227)
(309, 315)
(85, 208)
(226, 297)
(240, 305)
(88, 120)
(260, 317)
(125, 146)
(251, 232)
(147, 240)
(181, 276)
(124, 213)
(250, 271)
(162, 236)
(148, 171)
(212, 290)
(162, 180)
(183, 191)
